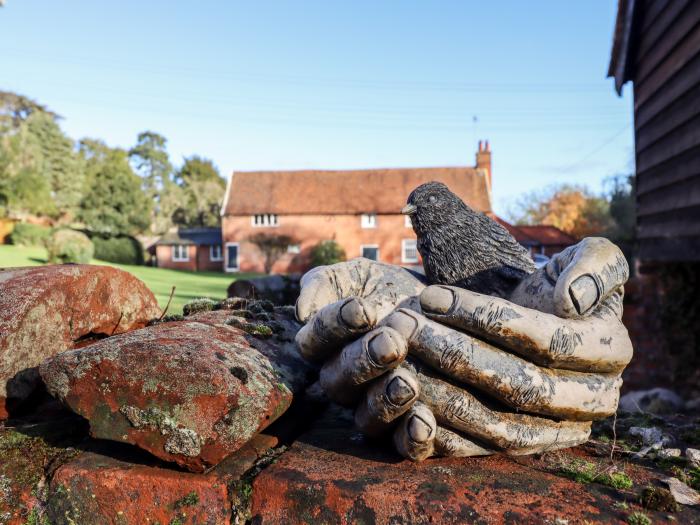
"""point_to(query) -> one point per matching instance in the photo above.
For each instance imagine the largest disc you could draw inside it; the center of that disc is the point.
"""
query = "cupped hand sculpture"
(453, 372)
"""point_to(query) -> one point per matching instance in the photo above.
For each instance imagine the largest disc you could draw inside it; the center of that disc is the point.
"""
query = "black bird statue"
(462, 247)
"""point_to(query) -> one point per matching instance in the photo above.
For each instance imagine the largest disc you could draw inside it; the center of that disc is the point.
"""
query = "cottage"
(359, 209)
(195, 249)
(539, 239)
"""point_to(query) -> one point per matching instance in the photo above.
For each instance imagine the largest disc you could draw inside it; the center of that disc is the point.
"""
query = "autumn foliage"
(572, 209)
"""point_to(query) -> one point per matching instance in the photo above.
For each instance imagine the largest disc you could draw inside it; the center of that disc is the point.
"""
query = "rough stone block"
(191, 392)
(50, 309)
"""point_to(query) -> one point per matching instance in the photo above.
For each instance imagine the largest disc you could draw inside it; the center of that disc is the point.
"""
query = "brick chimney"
(483, 162)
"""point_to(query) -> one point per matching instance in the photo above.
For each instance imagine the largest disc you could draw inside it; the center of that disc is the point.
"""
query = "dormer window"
(369, 220)
(264, 220)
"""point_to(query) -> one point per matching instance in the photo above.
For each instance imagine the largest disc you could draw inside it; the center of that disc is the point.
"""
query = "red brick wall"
(309, 230)
(204, 261)
(199, 259)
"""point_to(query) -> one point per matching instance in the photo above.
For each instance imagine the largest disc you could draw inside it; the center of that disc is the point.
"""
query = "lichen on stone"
(199, 305)
(183, 441)
(256, 329)
(180, 440)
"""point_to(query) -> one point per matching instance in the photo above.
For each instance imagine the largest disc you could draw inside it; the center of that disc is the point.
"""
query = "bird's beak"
(409, 209)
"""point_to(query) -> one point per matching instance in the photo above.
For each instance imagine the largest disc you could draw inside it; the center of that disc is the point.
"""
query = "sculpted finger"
(343, 377)
(453, 444)
(591, 272)
(317, 290)
(414, 437)
(510, 379)
(591, 345)
(387, 399)
(455, 408)
(333, 326)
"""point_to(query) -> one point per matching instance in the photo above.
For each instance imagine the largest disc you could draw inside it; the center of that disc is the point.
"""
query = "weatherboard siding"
(667, 130)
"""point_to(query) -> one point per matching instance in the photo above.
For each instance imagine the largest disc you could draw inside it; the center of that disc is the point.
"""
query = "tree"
(15, 109)
(272, 246)
(152, 163)
(623, 207)
(572, 209)
(203, 189)
(60, 166)
(114, 202)
(39, 172)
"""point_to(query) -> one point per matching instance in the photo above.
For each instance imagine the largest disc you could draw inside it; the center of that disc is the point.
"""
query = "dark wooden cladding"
(664, 66)
(671, 65)
(682, 110)
(672, 172)
(655, 47)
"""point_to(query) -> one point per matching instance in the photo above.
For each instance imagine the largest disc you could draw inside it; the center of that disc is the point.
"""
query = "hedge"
(120, 250)
(25, 234)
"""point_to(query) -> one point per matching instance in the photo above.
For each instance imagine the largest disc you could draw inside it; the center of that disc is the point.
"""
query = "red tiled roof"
(548, 235)
(515, 231)
(346, 192)
(540, 234)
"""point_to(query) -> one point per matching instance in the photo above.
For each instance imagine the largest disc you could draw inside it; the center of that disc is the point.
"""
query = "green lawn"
(188, 285)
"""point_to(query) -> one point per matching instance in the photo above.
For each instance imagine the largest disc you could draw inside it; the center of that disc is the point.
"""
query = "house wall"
(666, 76)
(309, 230)
(205, 264)
(164, 257)
(199, 259)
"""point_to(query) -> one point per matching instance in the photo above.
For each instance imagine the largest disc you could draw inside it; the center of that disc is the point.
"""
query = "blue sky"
(330, 84)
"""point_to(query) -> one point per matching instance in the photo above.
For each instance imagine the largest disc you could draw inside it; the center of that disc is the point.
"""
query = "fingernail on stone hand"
(383, 349)
(418, 430)
(584, 293)
(403, 322)
(355, 315)
(399, 392)
(436, 299)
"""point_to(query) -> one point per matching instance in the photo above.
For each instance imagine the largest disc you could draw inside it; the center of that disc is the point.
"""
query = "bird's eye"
(432, 199)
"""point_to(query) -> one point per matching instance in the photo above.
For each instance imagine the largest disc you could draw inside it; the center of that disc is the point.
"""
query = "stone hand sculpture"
(453, 372)
(462, 247)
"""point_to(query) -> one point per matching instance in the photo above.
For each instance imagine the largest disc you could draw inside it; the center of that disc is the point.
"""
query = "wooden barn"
(657, 47)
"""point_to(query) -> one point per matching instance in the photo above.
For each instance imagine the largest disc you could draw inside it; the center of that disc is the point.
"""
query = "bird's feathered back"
(462, 247)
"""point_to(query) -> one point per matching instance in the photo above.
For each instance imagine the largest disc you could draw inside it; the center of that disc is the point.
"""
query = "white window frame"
(368, 220)
(264, 220)
(407, 221)
(294, 248)
(404, 258)
(220, 257)
(362, 250)
(176, 258)
(238, 257)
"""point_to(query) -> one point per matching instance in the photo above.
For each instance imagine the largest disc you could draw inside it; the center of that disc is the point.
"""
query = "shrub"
(326, 252)
(25, 234)
(69, 246)
(120, 250)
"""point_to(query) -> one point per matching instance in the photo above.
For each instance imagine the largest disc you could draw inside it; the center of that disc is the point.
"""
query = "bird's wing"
(509, 251)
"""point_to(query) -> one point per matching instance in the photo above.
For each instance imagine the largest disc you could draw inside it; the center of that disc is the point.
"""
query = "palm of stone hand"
(464, 345)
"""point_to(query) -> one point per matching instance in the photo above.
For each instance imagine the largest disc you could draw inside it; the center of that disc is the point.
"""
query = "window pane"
(368, 220)
(410, 251)
(370, 252)
(232, 261)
